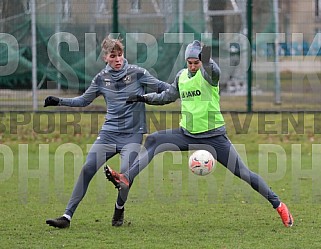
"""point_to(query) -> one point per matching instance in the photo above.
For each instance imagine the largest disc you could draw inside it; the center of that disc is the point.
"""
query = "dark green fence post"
(115, 16)
(249, 72)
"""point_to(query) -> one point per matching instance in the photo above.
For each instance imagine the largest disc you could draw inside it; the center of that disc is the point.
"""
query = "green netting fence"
(69, 34)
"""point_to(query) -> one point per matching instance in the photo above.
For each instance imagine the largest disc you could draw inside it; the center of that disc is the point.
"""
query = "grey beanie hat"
(193, 50)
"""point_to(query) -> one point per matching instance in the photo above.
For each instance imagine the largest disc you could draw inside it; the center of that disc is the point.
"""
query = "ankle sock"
(67, 216)
(118, 206)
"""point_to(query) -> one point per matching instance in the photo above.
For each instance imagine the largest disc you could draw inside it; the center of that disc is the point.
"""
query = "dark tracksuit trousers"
(221, 148)
(107, 145)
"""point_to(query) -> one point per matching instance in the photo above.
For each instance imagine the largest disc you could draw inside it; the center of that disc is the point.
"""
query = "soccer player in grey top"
(122, 132)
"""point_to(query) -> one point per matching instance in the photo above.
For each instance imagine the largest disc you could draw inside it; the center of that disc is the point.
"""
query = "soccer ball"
(201, 162)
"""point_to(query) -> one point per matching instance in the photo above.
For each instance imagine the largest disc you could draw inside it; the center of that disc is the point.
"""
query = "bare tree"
(217, 21)
(11, 8)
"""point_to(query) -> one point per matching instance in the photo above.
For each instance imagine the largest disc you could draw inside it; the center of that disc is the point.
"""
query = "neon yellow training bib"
(200, 103)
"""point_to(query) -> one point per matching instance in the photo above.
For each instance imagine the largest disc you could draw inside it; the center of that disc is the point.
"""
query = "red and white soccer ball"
(201, 162)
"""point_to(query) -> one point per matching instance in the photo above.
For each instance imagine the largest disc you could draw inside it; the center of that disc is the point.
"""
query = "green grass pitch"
(168, 206)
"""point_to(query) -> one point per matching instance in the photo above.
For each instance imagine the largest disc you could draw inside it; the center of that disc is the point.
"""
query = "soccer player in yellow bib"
(201, 127)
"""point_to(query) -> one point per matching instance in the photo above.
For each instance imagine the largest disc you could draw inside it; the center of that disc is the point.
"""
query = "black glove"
(135, 98)
(205, 55)
(51, 101)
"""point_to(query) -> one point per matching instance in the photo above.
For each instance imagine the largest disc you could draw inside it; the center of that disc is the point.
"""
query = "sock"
(277, 205)
(67, 216)
(120, 201)
(118, 206)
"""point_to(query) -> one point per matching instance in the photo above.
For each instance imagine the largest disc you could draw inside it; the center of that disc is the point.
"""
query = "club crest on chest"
(127, 79)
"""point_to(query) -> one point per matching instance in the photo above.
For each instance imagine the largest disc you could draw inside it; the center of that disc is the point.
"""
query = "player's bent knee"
(150, 141)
